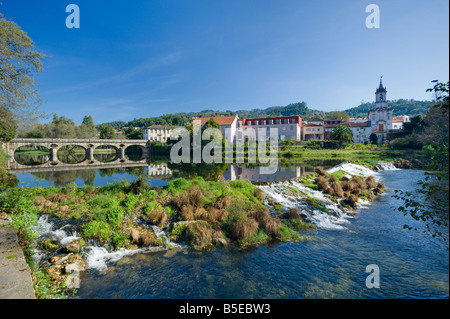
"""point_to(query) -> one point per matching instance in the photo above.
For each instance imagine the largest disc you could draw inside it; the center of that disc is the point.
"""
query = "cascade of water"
(294, 194)
(386, 166)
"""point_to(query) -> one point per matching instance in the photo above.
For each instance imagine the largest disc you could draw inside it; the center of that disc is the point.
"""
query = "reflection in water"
(159, 172)
(31, 160)
(106, 157)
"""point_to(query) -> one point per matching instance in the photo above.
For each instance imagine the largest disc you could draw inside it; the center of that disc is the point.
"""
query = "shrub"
(334, 179)
(181, 200)
(371, 183)
(259, 215)
(158, 216)
(321, 172)
(357, 192)
(223, 202)
(271, 226)
(322, 184)
(360, 183)
(187, 213)
(336, 190)
(352, 200)
(97, 230)
(292, 213)
(199, 234)
(244, 228)
(217, 215)
(258, 193)
(129, 202)
(195, 197)
(200, 214)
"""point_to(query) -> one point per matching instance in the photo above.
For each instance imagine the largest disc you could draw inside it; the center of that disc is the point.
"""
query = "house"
(225, 122)
(397, 123)
(289, 128)
(160, 133)
(361, 131)
(313, 131)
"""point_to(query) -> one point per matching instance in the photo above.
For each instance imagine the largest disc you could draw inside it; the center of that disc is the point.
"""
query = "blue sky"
(133, 59)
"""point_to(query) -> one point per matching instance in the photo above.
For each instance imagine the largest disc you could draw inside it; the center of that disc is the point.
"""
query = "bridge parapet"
(54, 144)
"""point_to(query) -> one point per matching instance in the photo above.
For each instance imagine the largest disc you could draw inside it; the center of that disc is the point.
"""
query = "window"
(292, 127)
(270, 122)
(286, 121)
(256, 122)
(263, 122)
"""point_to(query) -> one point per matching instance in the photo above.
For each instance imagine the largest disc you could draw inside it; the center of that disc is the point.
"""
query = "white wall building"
(160, 133)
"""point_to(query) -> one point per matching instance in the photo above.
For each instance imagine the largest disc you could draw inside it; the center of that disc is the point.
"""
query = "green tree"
(134, 134)
(107, 132)
(434, 208)
(19, 63)
(87, 128)
(339, 115)
(343, 135)
(7, 125)
(373, 138)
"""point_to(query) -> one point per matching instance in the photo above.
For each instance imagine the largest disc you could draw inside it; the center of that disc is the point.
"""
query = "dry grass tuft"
(243, 228)
(292, 213)
(158, 216)
(371, 183)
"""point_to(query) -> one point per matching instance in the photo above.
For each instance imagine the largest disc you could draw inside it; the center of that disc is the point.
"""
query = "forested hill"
(401, 107)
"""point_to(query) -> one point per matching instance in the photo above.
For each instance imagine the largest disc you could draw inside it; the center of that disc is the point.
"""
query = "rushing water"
(412, 265)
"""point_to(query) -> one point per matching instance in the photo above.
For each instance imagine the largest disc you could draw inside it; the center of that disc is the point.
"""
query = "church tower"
(381, 116)
(380, 96)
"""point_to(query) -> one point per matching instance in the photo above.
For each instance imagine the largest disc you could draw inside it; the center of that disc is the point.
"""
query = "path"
(15, 275)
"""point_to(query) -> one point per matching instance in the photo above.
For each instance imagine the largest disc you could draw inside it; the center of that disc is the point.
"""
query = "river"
(411, 263)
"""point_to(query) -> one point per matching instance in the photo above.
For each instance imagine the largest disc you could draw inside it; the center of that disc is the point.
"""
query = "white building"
(160, 133)
(289, 128)
(225, 122)
(361, 131)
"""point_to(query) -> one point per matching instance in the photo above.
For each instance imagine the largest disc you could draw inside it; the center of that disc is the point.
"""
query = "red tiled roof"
(221, 120)
(354, 124)
(397, 120)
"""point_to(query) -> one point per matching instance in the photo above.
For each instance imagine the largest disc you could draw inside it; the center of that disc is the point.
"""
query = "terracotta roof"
(395, 119)
(221, 120)
(354, 124)
(160, 127)
(312, 124)
(378, 131)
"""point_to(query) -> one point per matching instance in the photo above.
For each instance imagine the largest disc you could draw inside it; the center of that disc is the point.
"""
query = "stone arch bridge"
(53, 145)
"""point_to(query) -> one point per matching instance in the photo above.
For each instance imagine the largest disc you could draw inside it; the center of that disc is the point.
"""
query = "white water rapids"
(292, 194)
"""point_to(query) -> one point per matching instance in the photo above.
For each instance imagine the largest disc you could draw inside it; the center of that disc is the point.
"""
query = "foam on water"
(352, 169)
(293, 194)
(387, 166)
(98, 257)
